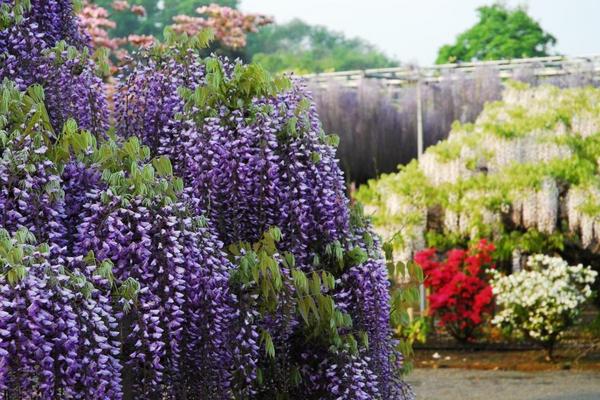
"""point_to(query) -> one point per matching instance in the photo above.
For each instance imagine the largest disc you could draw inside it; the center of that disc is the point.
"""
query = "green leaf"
(205, 37)
(364, 337)
(163, 166)
(255, 269)
(296, 376)
(316, 260)
(332, 140)
(16, 274)
(269, 346)
(388, 249)
(315, 284)
(291, 126)
(315, 157)
(275, 233)
(303, 310)
(357, 256)
(300, 281)
(352, 344)
(289, 260)
(259, 376)
(328, 280)
(313, 307)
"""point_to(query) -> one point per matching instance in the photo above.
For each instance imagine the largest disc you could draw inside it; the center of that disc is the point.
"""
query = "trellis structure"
(397, 78)
(542, 67)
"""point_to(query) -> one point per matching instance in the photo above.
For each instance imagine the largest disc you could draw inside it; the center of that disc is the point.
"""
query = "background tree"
(295, 46)
(159, 14)
(301, 47)
(230, 26)
(500, 33)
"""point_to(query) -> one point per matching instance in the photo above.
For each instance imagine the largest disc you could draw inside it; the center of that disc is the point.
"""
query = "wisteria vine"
(247, 278)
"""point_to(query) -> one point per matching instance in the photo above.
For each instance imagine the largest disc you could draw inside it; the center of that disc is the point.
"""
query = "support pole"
(419, 155)
(419, 117)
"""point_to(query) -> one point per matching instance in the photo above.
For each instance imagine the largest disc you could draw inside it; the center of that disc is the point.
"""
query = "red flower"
(460, 294)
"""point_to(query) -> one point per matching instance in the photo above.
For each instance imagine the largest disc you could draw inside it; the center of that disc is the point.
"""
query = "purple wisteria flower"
(262, 163)
(136, 291)
(238, 167)
(56, 339)
(72, 89)
(175, 338)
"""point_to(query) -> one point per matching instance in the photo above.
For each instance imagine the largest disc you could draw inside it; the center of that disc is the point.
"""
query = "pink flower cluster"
(96, 22)
(229, 25)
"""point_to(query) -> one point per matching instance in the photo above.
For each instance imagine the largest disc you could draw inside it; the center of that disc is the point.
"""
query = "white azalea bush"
(542, 301)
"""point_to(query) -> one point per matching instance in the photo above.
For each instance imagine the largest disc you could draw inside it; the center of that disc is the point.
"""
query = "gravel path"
(459, 384)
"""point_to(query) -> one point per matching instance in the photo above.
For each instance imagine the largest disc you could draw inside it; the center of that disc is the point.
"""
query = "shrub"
(542, 301)
(460, 295)
(258, 162)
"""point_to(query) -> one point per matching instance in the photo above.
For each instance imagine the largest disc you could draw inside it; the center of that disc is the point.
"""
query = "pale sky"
(412, 31)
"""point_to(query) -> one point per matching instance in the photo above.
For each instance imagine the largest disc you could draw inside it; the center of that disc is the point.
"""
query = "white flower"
(544, 300)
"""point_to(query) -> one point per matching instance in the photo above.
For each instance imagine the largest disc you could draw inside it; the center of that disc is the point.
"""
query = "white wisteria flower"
(542, 301)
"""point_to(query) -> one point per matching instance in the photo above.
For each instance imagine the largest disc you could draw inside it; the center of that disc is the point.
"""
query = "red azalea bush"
(460, 293)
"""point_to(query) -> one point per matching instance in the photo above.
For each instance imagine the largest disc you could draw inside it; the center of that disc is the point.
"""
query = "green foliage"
(20, 253)
(405, 279)
(17, 253)
(13, 13)
(62, 52)
(21, 112)
(177, 45)
(377, 194)
(500, 33)
(247, 82)
(126, 166)
(272, 280)
(303, 48)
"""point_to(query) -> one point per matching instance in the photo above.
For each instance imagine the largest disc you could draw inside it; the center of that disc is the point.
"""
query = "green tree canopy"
(300, 47)
(501, 33)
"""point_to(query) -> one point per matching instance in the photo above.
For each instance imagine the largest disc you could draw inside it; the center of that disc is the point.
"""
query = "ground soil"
(580, 358)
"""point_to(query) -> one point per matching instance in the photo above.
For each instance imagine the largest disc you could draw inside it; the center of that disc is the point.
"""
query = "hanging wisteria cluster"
(252, 161)
(58, 332)
(247, 278)
(525, 175)
(46, 47)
